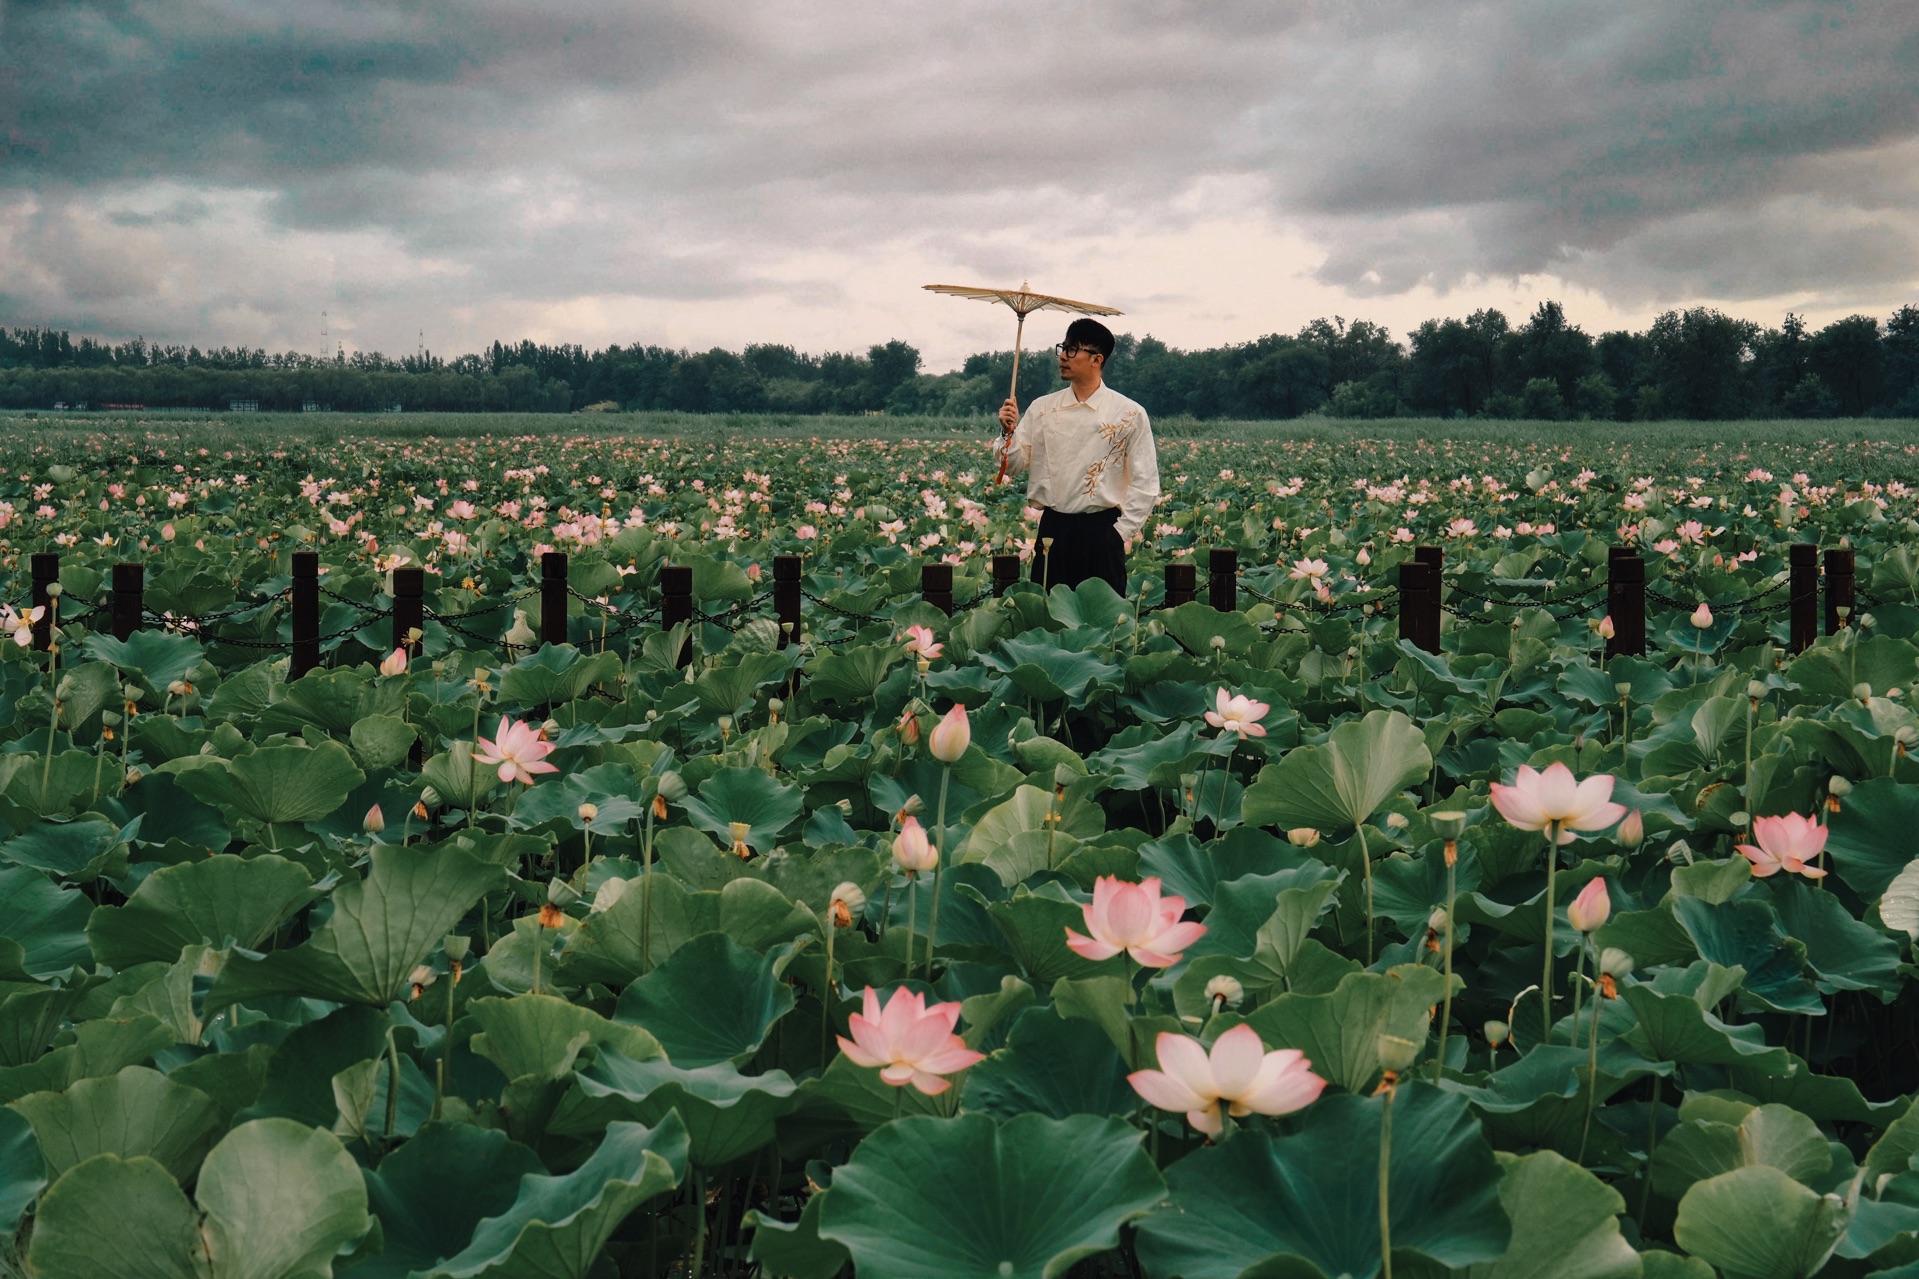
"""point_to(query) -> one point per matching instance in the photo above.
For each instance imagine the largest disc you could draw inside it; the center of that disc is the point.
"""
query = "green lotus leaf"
(136, 1112)
(380, 929)
(1768, 1136)
(222, 901)
(747, 795)
(713, 1000)
(852, 674)
(1844, 953)
(1314, 1196)
(297, 1079)
(970, 1198)
(727, 1114)
(556, 673)
(86, 690)
(1244, 906)
(608, 787)
(1042, 666)
(122, 1217)
(157, 657)
(1830, 672)
(1758, 1223)
(1899, 908)
(1747, 934)
(98, 1048)
(796, 1251)
(78, 851)
(30, 1018)
(727, 690)
(1103, 1002)
(381, 741)
(1339, 1033)
(47, 922)
(284, 783)
(23, 1173)
(1868, 839)
(1051, 1067)
(1893, 1152)
(1034, 926)
(433, 1192)
(846, 1101)
(1342, 783)
(333, 701)
(1092, 603)
(168, 813)
(33, 787)
(1025, 810)
(542, 1036)
(1675, 1027)
(556, 1226)
(1195, 623)
(1565, 1223)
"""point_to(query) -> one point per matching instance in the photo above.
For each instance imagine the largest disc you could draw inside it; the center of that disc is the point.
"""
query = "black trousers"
(1085, 544)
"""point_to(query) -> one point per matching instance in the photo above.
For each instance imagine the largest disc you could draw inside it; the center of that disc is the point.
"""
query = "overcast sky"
(698, 174)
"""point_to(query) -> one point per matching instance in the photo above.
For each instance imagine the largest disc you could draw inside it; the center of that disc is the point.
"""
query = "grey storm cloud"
(156, 155)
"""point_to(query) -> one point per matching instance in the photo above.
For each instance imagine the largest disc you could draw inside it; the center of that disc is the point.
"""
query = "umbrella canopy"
(1024, 302)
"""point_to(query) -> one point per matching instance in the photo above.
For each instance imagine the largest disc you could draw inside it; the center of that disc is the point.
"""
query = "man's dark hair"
(1092, 335)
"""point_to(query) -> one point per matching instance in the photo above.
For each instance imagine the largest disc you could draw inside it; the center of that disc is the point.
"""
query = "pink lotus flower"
(1237, 714)
(519, 751)
(920, 643)
(394, 663)
(1786, 843)
(1307, 568)
(1591, 908)
(907, 1041)
(1537, 800)
(912, 849)
(1239, 1075)
(951, 736)
(1134, 918)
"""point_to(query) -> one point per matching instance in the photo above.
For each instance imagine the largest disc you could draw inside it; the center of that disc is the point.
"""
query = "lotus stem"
(939, 864)
(1546, 982)
(446, 1045)
(646, 894)
(912, 918)
(46, 766)
(1652, 1139)
(392, 1082)
(1385, 1178)
(826, 1001)
(1225, 781)
(539, 936)
(1446, 1008)
(699, 1223)
(1366, 863)
(1592, 1066)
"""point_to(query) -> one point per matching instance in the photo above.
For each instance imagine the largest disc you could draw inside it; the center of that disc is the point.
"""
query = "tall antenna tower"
(324, 342)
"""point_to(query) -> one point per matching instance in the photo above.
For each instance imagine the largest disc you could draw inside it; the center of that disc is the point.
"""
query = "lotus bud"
(1862, 690)
(588, 811)
(1590, 909)
(1894, 691)
(394, 663)
(609, 895)
(1616, 963)
(1364, 557)
(457, 948)
(1702, 616)
(1606, 628)
(912, 849)
(848, 901)
(672, 787)
(374, 822)
(1450, 824)
(651, 715)
(909, 727)
(951, 736)
(1303, 837)
(1224, 991)
(1397, 1054)
(1632, 830)
(1497, 1032)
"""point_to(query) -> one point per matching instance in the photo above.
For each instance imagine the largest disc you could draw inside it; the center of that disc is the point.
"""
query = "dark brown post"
(1626, 602)
(786, 596)
(1434, 558)
(553, 598)
(1839, 589)
(409, 608)
(306, 613)
(936, 586)
(1181, 582)
(676, 603)
(128, 599)
(1802, 595)
(46, 571)
(1431, 555)
(1222, 578)
(1005, 573)
(1415, 602)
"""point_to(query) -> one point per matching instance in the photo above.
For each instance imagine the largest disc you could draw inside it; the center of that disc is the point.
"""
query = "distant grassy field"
(248, 431)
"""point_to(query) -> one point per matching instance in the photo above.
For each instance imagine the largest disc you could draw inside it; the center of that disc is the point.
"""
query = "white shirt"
(1088, 455)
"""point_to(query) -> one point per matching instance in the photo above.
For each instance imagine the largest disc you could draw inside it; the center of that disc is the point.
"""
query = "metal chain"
(1569, 597)
(834, 608)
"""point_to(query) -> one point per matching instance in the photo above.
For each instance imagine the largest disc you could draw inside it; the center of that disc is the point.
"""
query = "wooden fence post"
(1417, 603)
(409, 608)
(1839, 589)
(936, 586)
(1626, 602)
(676, 603)
(128, 599)
(1222, 578)
(1181, 582)
(1802, 595)
(1005, 573)
(786, 597)
(553, 598)
(306, 613)
(46, 571)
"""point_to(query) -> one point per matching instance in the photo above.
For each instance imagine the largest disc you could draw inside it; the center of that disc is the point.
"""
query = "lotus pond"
(1067, 934)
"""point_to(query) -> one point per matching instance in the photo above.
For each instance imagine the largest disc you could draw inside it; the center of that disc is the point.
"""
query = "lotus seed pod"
(588, 811)
(1740, 818)
(672, 787)
(457, 948)
(739, 831)
(1397, 822)
(853, 896)
(775, 705)
(1497, 1032)
(1450, 824)
(1862, 690)
(1063, 775)
(1439, 921)
(1624, 690)
(1838, 787)
(1755, 688)
(1397, 1054)
(1616, 963)
(429, 797)
(1225, 990)
(1865, 620)
(1219, 643)
(726, 723)
(55, 590)
(1303, 837)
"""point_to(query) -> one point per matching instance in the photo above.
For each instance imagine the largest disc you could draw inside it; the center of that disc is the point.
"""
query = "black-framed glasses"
(1068, 350)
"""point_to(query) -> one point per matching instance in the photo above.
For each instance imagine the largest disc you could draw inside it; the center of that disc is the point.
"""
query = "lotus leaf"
(135, 1113)
(713, 1000)
(222, 901)
(1758, 1223)
(1342, 783)
(285, 783)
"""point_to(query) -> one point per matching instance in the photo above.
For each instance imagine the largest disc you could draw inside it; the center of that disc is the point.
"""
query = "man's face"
(1076, 360)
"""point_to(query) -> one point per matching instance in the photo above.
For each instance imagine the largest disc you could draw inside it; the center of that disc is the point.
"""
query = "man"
(1090, 465)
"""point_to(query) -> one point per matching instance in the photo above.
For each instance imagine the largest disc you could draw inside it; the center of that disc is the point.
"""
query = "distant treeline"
(1697, 363)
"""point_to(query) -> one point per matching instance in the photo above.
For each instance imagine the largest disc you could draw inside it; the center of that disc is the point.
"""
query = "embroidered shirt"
(1088, 455)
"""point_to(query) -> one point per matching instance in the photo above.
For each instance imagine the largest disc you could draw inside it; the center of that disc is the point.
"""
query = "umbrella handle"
(1006, 441)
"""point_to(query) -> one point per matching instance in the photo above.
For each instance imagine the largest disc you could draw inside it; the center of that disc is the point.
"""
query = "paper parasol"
(1024, 302)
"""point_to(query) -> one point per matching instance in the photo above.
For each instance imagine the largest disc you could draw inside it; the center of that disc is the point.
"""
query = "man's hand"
(1009, 413)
